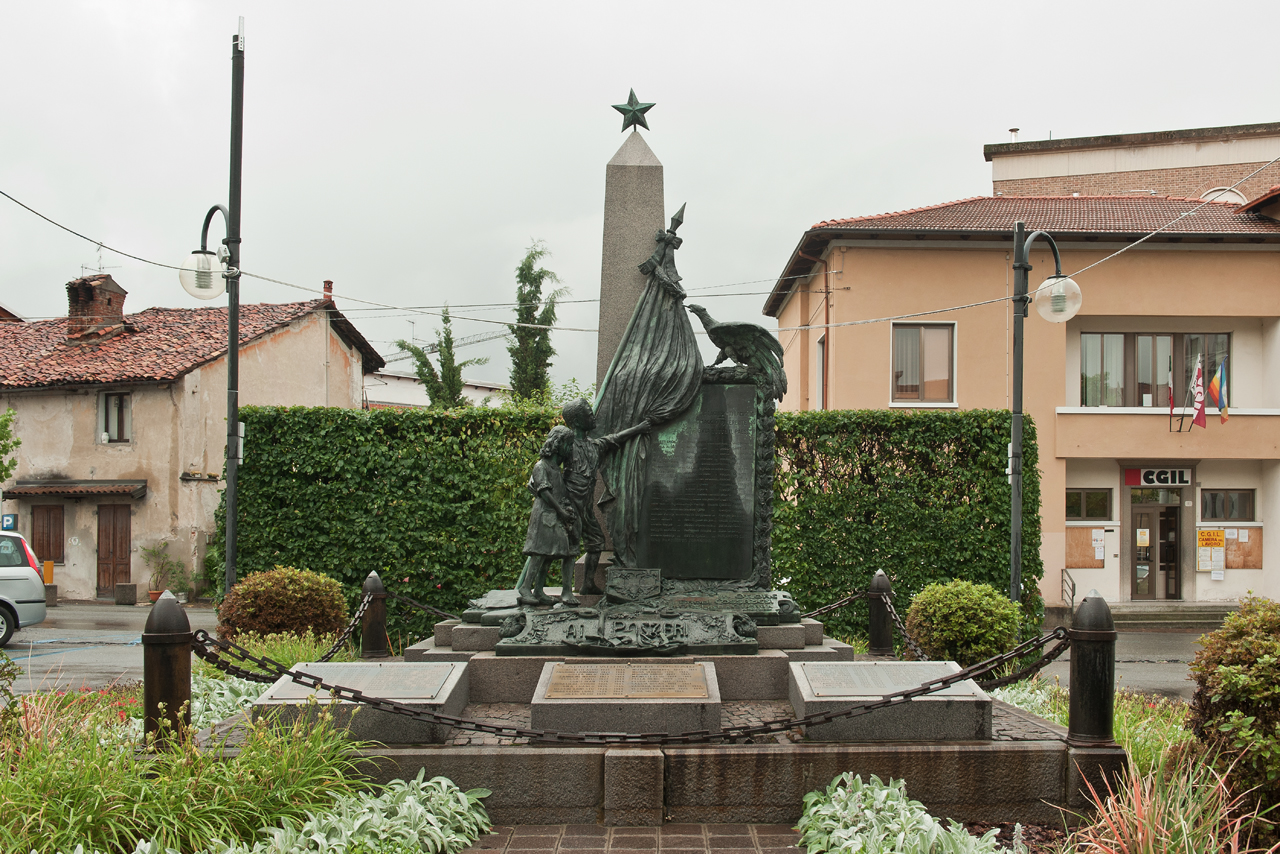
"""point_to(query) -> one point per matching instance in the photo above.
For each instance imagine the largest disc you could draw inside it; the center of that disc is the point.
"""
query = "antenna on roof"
(85, 269)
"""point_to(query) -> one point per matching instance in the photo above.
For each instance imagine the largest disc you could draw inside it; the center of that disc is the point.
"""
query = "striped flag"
(1218, 389)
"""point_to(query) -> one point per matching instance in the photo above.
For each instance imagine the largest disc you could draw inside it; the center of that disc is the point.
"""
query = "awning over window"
(76, 488)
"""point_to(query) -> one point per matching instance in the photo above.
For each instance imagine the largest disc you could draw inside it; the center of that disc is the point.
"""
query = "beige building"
(1129, 499)
(123, 420)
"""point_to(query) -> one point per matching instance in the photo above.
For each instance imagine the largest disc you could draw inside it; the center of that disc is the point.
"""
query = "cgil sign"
(1157, 477)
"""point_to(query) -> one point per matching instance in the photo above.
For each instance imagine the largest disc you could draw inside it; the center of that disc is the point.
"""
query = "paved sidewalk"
(1147, 662)
(593, 839)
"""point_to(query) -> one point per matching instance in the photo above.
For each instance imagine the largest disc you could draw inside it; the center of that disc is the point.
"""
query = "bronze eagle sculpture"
(747, 344)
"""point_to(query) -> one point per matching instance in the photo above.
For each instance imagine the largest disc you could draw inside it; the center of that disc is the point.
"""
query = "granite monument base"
(438, 687)
(960, 712)
(643, 696)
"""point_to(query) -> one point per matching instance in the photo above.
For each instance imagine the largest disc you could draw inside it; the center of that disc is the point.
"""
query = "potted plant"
(167, 572)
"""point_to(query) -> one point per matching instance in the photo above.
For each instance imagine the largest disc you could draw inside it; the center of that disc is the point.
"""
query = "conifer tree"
(531, 352)
(444, 387)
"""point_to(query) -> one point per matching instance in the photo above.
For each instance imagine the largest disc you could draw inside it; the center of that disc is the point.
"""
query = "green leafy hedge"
(436, 501)
(920, 494)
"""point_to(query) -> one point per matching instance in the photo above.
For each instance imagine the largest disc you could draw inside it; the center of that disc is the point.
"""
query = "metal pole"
(881, 624)
(373, 628)
(233, 300)
(166, 671)
(1020, 269)
(1093, 673)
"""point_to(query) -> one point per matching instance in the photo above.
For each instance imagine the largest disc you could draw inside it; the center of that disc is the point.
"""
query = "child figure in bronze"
(553, 526)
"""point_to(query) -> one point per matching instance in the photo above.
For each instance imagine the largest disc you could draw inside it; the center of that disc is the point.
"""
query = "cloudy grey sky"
(410, 151)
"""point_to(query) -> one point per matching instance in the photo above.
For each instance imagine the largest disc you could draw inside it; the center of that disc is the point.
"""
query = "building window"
(1226, 505)
(1092, 504)
(116, 423)
(1101, 369)
(924, 363)
(46, 532)
(1146, 369)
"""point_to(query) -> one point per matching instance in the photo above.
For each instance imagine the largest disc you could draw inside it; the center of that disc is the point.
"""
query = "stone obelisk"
(633, 212)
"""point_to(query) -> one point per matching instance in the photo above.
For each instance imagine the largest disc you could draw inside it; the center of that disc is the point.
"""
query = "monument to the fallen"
(685, 455)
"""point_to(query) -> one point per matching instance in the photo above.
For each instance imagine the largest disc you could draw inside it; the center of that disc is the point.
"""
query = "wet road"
(86, 644)
(1149, 662)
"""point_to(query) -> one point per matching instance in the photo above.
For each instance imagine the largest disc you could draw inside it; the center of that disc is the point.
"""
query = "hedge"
(435, 501)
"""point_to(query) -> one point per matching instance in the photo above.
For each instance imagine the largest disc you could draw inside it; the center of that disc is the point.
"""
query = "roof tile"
(155, 345)
(1066, 214)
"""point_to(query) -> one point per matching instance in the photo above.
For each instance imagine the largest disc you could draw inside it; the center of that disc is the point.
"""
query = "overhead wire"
(375, 305)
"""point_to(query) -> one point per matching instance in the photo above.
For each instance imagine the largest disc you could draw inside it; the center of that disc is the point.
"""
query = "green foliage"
(8, 444)
(963, 622)
(74, 777)
(921, 495)
(432, 816)
(286, 648)
(552, 397)
(1150, 729)
(9, 704)
(875, 818)
(283, 600)
(434, 501)
(1183, 807)
(1236, 707)
(167, 572)
(444, 388)
(531, 352)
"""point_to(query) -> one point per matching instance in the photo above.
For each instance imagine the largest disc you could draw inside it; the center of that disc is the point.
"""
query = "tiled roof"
(1265, 200)
(155, 345)
(1068, 214)
(76, 488)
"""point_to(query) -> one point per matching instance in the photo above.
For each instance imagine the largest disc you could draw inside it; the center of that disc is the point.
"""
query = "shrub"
(1183, 807)
(283, 600)
(1236, 707)
(876, 818)
(963, 622)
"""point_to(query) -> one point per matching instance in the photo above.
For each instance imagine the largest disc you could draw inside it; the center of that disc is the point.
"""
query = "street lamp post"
(204, 276)
(1057, 301)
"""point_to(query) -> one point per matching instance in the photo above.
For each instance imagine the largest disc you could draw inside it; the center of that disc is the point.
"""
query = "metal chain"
(839, 603)
(415, 603)
(902, 629)
(208, 649)
(347, 632)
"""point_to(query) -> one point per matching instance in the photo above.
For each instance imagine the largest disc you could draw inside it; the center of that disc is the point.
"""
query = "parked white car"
(21, 586)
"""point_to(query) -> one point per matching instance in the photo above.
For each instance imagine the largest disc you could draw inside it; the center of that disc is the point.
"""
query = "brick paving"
(675, 838)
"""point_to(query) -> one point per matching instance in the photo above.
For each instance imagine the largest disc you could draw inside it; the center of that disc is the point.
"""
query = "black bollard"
(881, 624)
(166, 670)
(373, 628)
(1093, 673)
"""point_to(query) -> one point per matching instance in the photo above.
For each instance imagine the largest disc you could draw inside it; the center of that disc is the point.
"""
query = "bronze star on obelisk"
(633, 112)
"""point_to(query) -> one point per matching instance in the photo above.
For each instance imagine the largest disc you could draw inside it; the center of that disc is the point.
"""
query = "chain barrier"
(840, 603)
(902, 629)
(212, 650)
(349, 630)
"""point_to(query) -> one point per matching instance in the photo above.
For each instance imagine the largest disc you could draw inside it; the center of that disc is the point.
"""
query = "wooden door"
(114, 544)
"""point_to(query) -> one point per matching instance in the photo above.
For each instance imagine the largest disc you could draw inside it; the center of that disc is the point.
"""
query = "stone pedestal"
(961, 712)
(643, 696)
(438, 687)
(126, 594)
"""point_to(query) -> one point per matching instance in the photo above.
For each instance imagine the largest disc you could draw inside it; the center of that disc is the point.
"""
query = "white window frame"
(955, 368)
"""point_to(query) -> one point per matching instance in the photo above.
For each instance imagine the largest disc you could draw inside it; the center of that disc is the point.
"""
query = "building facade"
(123, 420)
(1135, 503)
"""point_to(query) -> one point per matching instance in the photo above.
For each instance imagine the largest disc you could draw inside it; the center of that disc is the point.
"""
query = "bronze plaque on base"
(627, 682)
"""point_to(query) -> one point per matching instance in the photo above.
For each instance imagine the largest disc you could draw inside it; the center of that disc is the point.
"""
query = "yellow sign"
(1211, 539)
(1144, 537)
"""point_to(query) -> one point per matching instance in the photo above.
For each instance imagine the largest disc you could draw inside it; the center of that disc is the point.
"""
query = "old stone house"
(122, 419)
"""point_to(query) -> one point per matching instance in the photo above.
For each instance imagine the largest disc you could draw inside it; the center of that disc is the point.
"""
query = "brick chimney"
(94, 304)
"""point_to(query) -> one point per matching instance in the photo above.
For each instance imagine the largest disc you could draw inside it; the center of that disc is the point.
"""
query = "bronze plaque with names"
(627, 682)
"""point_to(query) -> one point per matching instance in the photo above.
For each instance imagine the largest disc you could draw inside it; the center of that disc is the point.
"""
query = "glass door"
(1169, 563)
(1144, 543)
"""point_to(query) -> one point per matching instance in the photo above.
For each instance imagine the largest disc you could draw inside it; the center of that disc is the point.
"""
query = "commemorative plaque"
(640, 681)
(385, 681)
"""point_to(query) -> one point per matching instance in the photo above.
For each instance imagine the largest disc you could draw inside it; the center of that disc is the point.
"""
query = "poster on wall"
(1211, 550)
